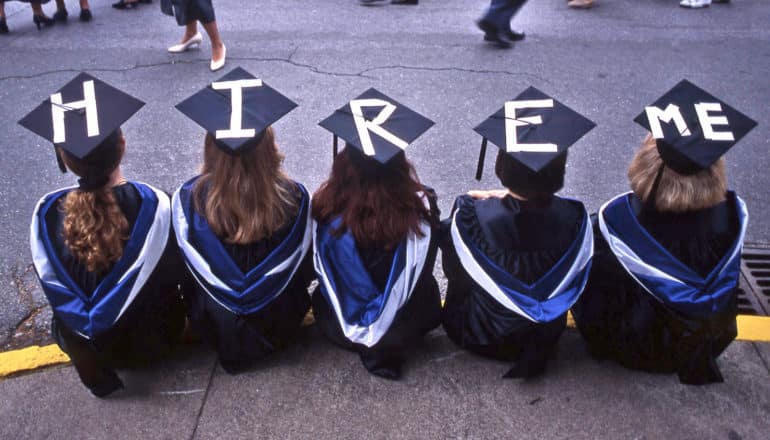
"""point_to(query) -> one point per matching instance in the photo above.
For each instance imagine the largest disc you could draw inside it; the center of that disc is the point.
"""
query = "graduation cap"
(533, 128)
(81, 115)
(377, 125)
(693, 128)
(236, 109)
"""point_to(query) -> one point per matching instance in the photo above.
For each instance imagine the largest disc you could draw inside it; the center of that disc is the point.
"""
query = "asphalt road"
(607, 63)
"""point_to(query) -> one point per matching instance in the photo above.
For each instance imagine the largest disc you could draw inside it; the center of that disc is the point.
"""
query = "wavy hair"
(378, 204)
(245, 197)
(676, 192)
(95, 228)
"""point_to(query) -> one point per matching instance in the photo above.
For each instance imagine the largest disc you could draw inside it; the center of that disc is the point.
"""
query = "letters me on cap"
(377, 125)
(695, 127)
(236, 109)
(82, 114)
(534, 129)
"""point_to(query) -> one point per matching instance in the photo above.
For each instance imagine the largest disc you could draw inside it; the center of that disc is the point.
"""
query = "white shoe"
(186, 45)
(216, 65)
(694, 4)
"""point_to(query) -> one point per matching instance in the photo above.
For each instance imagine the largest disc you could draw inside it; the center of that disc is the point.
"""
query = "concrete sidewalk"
(315, 390)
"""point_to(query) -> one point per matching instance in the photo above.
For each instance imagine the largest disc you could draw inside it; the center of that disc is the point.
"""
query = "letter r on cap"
(364, 127)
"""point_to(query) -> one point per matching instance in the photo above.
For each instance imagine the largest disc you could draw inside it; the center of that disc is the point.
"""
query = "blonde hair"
(95, 228)
(676, 192)
(245, 197)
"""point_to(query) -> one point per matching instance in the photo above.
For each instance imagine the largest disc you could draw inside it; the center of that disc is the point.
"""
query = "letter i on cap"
(236, 109)
(693, 129)
(81, 115)
(376, 124)
(533, 128)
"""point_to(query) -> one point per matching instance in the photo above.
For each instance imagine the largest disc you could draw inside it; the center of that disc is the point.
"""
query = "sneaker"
(694, 4)
(580, 4)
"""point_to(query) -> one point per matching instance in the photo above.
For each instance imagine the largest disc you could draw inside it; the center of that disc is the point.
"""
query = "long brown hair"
(245, 197)
(95, 229)
(378, 204)
(676, 192)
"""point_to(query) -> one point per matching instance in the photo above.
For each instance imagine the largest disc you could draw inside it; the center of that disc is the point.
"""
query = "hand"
(486, 194)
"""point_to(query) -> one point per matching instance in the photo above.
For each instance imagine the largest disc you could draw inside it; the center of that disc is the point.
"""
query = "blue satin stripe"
(679, 287)
(540, 301)
(91, 315)
(243, 293)
(360, 300)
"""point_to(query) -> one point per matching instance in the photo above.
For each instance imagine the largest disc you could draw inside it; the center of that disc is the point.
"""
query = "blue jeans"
(500, 12)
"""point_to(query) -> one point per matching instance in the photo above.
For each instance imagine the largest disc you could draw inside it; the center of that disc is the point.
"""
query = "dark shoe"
(146, 2)
(3, 26)
(85, 15)
(404, 2)
(61, 15)
(125, 5)
(491, 34)
(370, 2)
(42, 20)
(514, 36)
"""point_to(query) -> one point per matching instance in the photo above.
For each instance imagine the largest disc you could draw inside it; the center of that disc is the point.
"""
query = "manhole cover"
(754, 289)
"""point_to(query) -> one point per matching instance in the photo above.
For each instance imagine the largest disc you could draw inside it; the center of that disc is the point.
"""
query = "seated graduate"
(375, 237)
(101, 249)
(516, 260)
(662, 293)
(243, 225)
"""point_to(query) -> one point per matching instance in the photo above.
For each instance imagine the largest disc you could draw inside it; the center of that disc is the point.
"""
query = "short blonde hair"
(676, 192)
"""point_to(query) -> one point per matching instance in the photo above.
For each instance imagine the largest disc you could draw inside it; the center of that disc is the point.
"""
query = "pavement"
(607, 63)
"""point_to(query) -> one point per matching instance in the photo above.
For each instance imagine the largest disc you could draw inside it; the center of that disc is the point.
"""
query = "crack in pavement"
(288, 60)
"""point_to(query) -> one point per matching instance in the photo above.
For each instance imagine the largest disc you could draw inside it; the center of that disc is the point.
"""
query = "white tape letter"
(512, 122)
(364, 127)
(671, 113)
(88, 103)
(708, 122)
(236, 105)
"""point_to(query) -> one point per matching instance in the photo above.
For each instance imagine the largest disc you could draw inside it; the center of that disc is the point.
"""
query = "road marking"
(31, 358)
(750, 328)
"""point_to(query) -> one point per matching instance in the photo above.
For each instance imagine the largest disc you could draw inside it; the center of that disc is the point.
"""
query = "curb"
(750, 329)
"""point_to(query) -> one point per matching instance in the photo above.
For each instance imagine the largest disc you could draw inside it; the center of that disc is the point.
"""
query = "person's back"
(687, 227)
(505, 256)
(106, 248)
(375, 243)
(243, 227)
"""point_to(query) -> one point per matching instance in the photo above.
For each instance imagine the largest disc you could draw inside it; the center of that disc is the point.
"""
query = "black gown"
(146, 331)
(621, 321)
(241, 341)
(420, 314)
(527, 238)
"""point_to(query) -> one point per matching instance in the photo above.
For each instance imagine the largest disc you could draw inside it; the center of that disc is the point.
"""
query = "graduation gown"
(377, 302)
(247, 301)
(514, 268)
(129, 315)
(662, 293)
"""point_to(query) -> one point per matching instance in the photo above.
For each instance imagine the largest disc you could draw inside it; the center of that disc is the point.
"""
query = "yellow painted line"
(31, 358)
(750, 328)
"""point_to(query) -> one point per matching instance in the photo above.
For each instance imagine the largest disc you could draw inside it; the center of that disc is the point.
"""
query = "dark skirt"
(187, 11)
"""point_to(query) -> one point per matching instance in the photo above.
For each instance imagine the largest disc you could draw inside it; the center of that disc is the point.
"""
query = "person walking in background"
(188, 13)
(61, 14)
(496, 22)
(38, 16)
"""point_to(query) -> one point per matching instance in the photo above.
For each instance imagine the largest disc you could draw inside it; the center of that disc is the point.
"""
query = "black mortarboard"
(536, 129)
(81, 115)
(693, 129)
(386, 126)
(236, 123)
